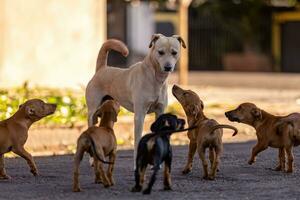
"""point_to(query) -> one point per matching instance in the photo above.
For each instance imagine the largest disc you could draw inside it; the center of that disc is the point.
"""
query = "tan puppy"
(208, 133)
(99, 142)
(14, 131)
(269, 132)
(141, 88)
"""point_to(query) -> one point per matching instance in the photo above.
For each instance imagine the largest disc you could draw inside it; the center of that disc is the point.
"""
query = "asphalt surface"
(236, 179)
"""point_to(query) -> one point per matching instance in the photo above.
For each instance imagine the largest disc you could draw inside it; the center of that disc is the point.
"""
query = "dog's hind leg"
(152, 179)
(189, 164)
(201, 152)
(281, 158)
(98, 179)
(104, 178)
(167, 173)
(289, 152)
(77, 159)
(110, 169)
(139, 175)
(3, 174)
(215, 163)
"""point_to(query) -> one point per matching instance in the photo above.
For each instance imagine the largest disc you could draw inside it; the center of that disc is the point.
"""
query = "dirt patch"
(236, 179)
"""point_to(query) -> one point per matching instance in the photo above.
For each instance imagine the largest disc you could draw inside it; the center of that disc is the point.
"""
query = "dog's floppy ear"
(181, 41)
(29, 111)
(154, 38)
(97, 114)
(193, 110)
(157, 125)
(256, 112)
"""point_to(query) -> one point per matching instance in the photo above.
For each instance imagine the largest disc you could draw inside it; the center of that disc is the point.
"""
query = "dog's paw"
(98, 181)
(289, 171)
(34, 172)
(250, 162)
(211, 178)
(167, 187)
(147, 191)
(4, 177)
(136, 189)
(186, 170)
(205, 177)
(76, 189)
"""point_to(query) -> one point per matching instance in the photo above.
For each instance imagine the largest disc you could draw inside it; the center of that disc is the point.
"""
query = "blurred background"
(238, 50)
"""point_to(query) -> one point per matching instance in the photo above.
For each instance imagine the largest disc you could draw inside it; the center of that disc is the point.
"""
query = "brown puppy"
(269, 132)
(208, 133)
(14, 131)
(99, 142)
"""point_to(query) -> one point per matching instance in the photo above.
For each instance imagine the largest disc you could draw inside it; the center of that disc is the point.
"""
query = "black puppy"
(154, 149)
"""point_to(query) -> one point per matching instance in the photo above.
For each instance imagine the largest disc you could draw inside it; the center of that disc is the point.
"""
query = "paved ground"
(236, 180)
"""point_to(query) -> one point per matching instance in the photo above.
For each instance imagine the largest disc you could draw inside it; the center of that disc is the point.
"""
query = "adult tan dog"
(99, 142)
(14, 131)
(269, 132)
(208, 133)
(141, 88)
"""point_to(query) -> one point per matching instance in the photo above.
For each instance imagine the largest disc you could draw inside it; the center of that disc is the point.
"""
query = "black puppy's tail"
(224, 126)
(94, 151)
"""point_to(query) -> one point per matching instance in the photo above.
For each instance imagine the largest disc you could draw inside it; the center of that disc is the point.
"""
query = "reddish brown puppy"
(208, 133)
(14, 131)
(270, 131)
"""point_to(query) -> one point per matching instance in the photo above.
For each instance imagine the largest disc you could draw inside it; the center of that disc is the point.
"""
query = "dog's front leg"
(24, 154)
(3, 174)
(192, 151)
(110, 169)
(259, 147)
(139, 117)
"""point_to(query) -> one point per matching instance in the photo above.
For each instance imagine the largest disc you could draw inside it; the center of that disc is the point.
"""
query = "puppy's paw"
(136, 189)
(34, 172)
(289, 171)
(205, 177)
(76, 189)
(186, 170)
(250, 162)
(147, 191)
(211, 178)
(106, 185)
(4, 177)
(98, 181)
(167, 187)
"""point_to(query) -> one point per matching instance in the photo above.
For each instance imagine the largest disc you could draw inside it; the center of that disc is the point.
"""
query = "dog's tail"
(224, 126)
(94, 151)
(116, 45)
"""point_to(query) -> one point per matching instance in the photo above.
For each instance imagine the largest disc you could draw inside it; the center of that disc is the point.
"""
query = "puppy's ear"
(193, 110)
(29, 111)
(114, 116)
(154, 38)
(97, 114)
(157, 125)
(256, 112)
(181, 41)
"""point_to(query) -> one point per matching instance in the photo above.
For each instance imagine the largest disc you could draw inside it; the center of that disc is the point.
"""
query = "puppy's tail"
(113, 44)
(94, 151)
(175, 131)
(224, 126)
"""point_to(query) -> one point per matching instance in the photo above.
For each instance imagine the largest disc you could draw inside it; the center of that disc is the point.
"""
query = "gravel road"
(236, 179)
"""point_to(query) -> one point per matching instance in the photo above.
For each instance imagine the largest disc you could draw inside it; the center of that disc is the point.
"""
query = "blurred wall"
(50, 42)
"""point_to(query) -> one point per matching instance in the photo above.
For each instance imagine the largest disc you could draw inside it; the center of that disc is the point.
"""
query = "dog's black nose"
(167, 69)
(227, 114)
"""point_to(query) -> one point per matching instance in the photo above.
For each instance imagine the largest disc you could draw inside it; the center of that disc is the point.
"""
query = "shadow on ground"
(236, 179)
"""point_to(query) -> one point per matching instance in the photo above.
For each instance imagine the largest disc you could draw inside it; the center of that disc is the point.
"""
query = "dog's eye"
(161, 53)
(174, 53)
